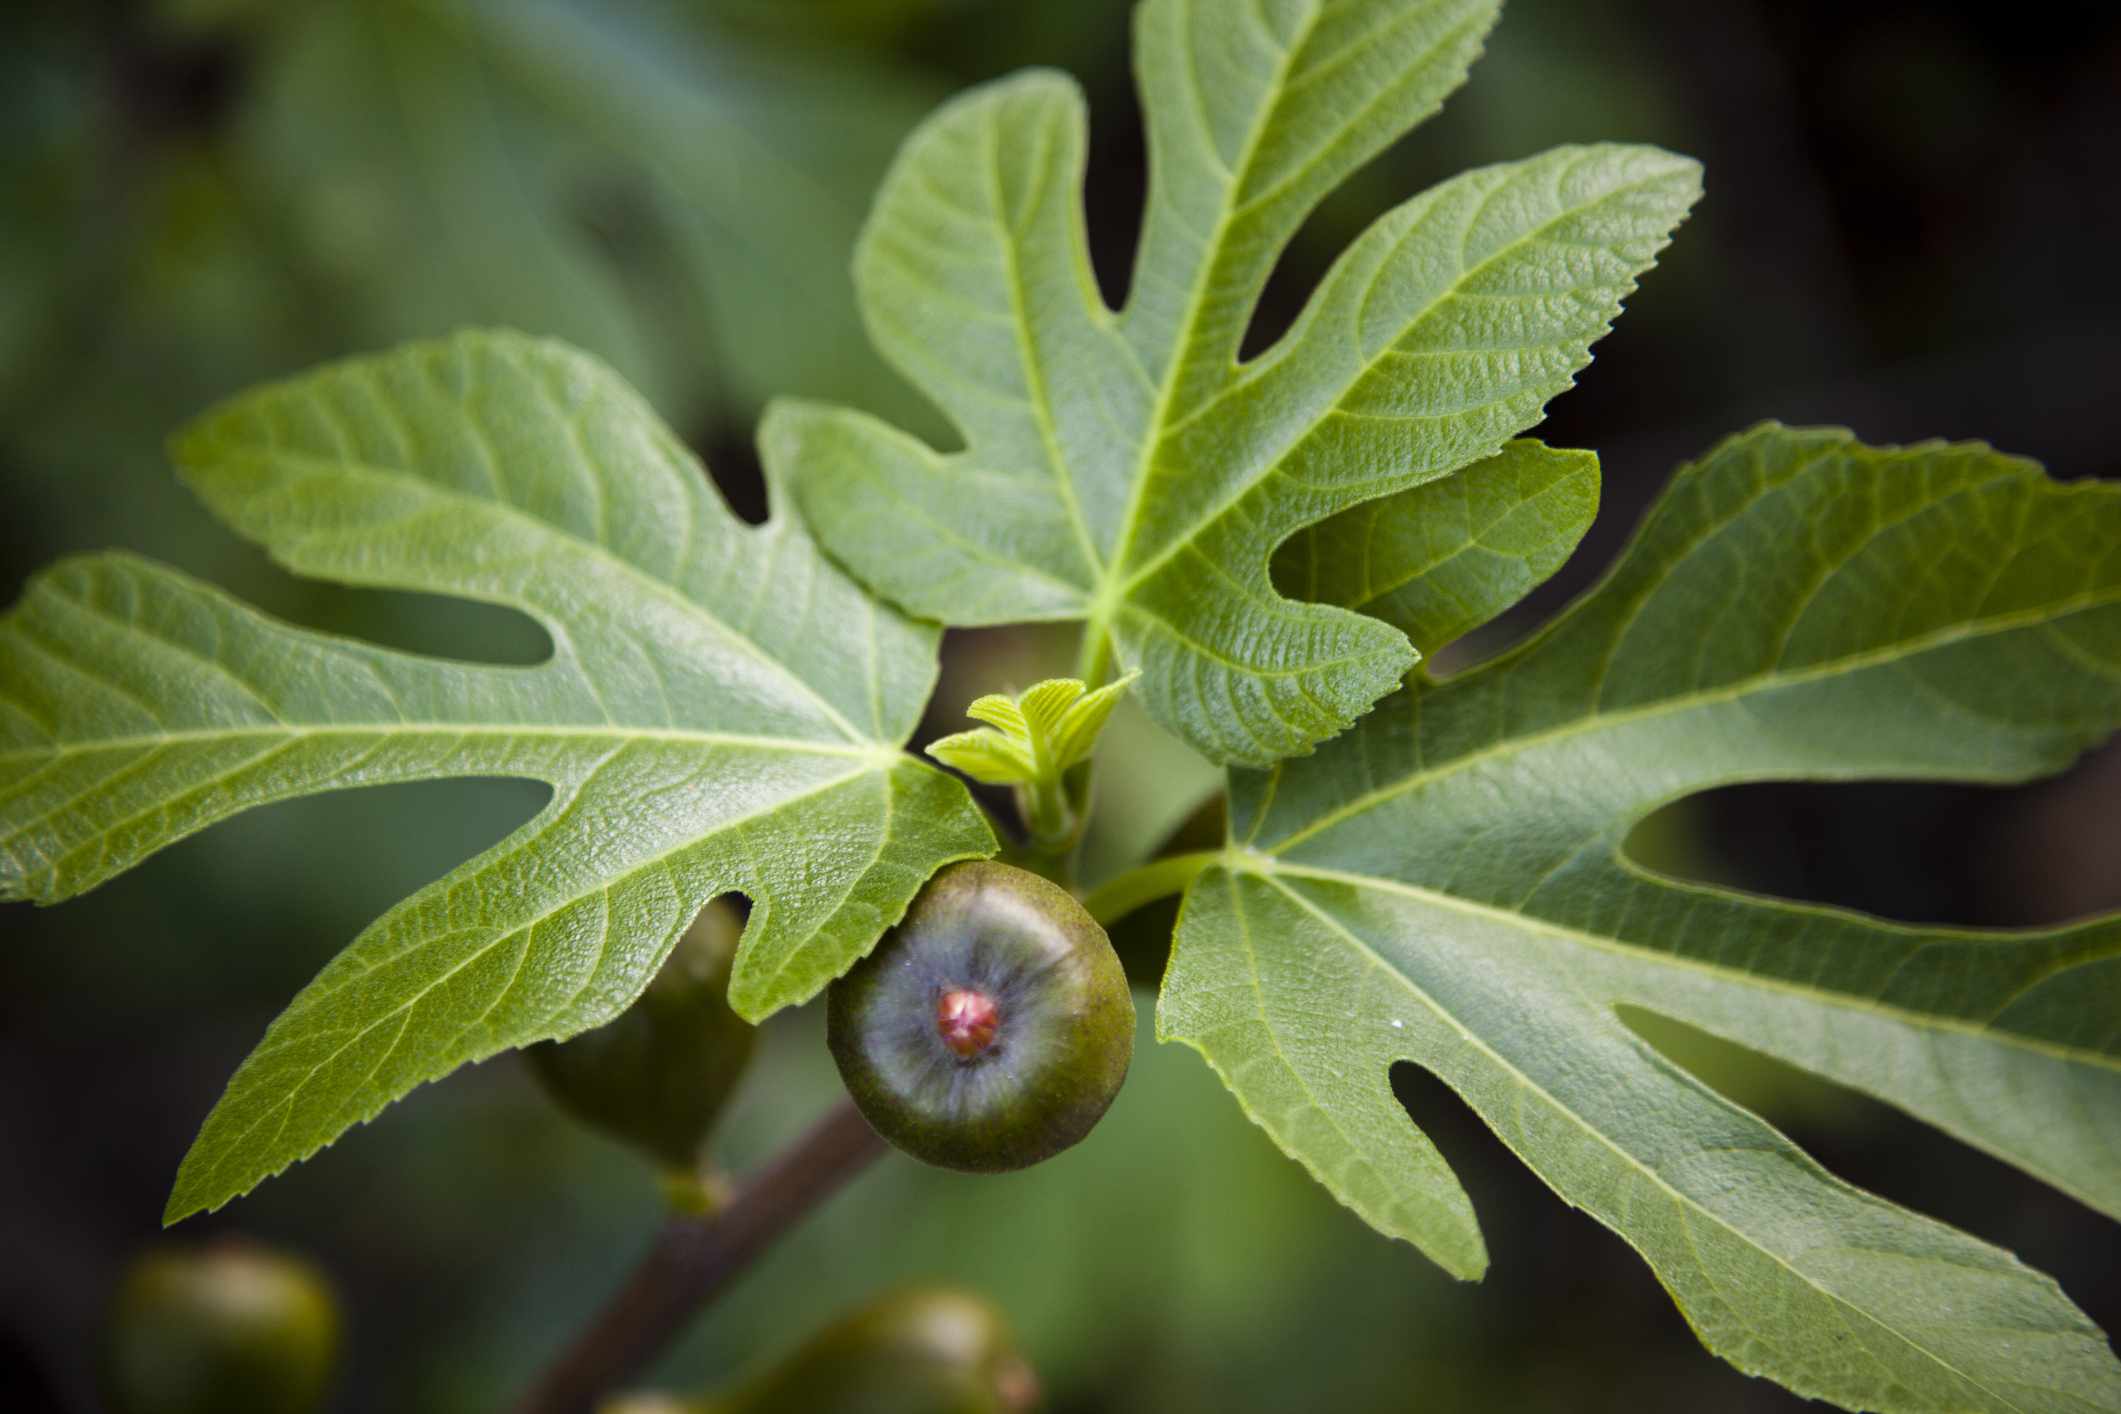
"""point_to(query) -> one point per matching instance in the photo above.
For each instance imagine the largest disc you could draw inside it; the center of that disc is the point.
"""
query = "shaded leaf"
(758, 160)
(418, 192)
(683, 207)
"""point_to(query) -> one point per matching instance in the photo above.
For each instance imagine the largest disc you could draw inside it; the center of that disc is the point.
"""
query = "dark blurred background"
(1910, 230)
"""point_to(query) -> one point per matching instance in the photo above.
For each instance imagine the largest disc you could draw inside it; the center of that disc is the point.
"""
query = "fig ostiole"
(991, 1028)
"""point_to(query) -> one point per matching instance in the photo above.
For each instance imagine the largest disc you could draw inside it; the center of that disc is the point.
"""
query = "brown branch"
(695, 1257)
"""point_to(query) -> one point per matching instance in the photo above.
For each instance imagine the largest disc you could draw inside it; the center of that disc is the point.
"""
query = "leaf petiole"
(1094, 658)
(1159, 878)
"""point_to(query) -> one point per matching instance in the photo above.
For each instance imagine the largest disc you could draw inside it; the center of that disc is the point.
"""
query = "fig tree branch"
(695, 1257)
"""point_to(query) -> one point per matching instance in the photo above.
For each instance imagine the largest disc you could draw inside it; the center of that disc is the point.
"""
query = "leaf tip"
(192, 1196)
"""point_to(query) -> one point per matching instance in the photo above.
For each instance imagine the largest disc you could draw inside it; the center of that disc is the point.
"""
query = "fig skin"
(231, 1328)
(659, 1076)
(1062, 1028)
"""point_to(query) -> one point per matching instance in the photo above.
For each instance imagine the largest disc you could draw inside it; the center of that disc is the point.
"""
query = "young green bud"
(659, 1076)
(991, 1028)
(231, 1328)
(927, 1350)
(1032, 741)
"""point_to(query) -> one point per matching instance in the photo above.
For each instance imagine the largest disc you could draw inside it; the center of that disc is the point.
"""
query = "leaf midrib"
(1597, 720)
(1456, 1264)
(1033, 365)
(404, 1009)
(1634, 953)
(615, 731)
(1251, 373)
(1108, 597)
(1684, 1200)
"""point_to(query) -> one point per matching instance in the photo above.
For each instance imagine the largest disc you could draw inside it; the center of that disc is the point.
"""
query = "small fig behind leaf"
(232, 1328)
(659, 1076)
(991, 1028)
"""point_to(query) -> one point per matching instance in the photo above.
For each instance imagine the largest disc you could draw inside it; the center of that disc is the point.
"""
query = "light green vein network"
(1122, 467)
(1445, 885)
(723, 711)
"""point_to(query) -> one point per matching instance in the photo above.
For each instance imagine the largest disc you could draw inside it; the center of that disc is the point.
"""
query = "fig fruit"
(923, 1350)
(232, 1328)
(991, 1028)
(659, 1076)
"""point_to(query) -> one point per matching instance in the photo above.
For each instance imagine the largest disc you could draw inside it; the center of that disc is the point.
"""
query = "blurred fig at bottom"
(229, 1328)
(916, 1350)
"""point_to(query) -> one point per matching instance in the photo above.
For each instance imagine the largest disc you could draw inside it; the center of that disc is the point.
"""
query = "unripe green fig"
(659, 1076)
(654, 1403)
(991, 1028)
(924, 1350)
(920, 1350)
(232, 1328)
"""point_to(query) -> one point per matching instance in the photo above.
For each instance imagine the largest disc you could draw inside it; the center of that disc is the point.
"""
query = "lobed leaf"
(1447, 885)
(1449, 555)
(722, 711)
(1124, 468)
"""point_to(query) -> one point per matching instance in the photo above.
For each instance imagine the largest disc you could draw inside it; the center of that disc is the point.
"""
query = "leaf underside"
(1446, 885)
(1124, 468)
(722, 712)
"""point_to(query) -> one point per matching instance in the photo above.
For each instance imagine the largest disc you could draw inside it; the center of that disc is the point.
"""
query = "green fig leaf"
(723, 711)
(1124, 468)
(1447, 885)
(1448, 556)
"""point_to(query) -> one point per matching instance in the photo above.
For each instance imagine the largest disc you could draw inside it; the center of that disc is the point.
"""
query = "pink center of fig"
(967, 1021)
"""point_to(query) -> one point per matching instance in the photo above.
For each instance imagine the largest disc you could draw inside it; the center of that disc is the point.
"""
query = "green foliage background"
(200, 194)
